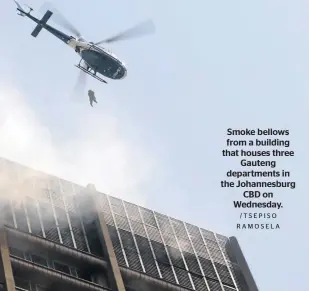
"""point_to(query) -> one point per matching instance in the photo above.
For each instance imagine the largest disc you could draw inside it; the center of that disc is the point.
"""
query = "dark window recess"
(91, 229)
(28, 256)
(33, 217)
(89, 221)
(84, 274)
(22, 283)
(17, 253)
(73, 272)
(62, 268)
(39, 260)
(40, 288)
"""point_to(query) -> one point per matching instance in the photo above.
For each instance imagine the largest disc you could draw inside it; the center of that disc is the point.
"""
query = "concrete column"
(6, 261)
(114, 273)
(238, 255)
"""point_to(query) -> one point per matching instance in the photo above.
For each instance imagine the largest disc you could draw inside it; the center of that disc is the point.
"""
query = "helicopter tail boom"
(41, 23)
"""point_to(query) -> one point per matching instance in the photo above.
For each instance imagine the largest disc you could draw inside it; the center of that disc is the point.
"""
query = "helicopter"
(94, 58)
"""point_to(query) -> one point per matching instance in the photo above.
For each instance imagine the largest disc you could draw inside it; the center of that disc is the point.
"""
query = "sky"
(155, 138)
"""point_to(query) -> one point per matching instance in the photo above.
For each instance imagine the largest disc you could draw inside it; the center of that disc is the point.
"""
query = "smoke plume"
(95, 154)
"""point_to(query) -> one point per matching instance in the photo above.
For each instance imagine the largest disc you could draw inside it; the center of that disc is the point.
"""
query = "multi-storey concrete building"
(58, 236)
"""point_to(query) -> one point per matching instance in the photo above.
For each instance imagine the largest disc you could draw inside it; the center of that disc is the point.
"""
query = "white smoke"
(98, 155)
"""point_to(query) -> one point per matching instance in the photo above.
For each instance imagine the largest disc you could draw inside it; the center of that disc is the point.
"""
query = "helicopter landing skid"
(90, 73)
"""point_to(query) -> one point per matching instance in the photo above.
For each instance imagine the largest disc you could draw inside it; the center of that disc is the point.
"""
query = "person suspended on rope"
(92, 97)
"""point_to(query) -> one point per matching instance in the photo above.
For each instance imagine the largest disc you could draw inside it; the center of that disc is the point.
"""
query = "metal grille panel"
(49, 223)
(224, 274)
(108, 218)
(153, 233)
(179, 229)
(170, 240)
(146, 255)
(117, 206)
(167, 272)
(183, 277)
(226, 288)
(214, 286)
(64, 227)
(192, 263)
(208, 269)
(78, 232)
(148, 217)
(70, 203)
(164, 223)
(208, 234)
(176, 257)
(133, 211)
(8, 217)
(122, 222)
(20, 217)
(198, 282)
(138, 228)
(117, 245)
(57, 199)
(33, 217)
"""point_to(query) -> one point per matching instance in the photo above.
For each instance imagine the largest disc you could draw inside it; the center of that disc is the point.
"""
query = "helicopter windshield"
(109, 52)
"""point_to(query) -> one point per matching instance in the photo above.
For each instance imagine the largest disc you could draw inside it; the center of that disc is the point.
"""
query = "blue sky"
(156, 137)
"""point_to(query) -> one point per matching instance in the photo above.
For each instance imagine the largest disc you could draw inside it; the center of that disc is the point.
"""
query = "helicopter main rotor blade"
(60, 19)
(144, 28)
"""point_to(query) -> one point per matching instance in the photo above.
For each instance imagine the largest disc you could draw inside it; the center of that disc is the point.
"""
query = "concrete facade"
(59, 236)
